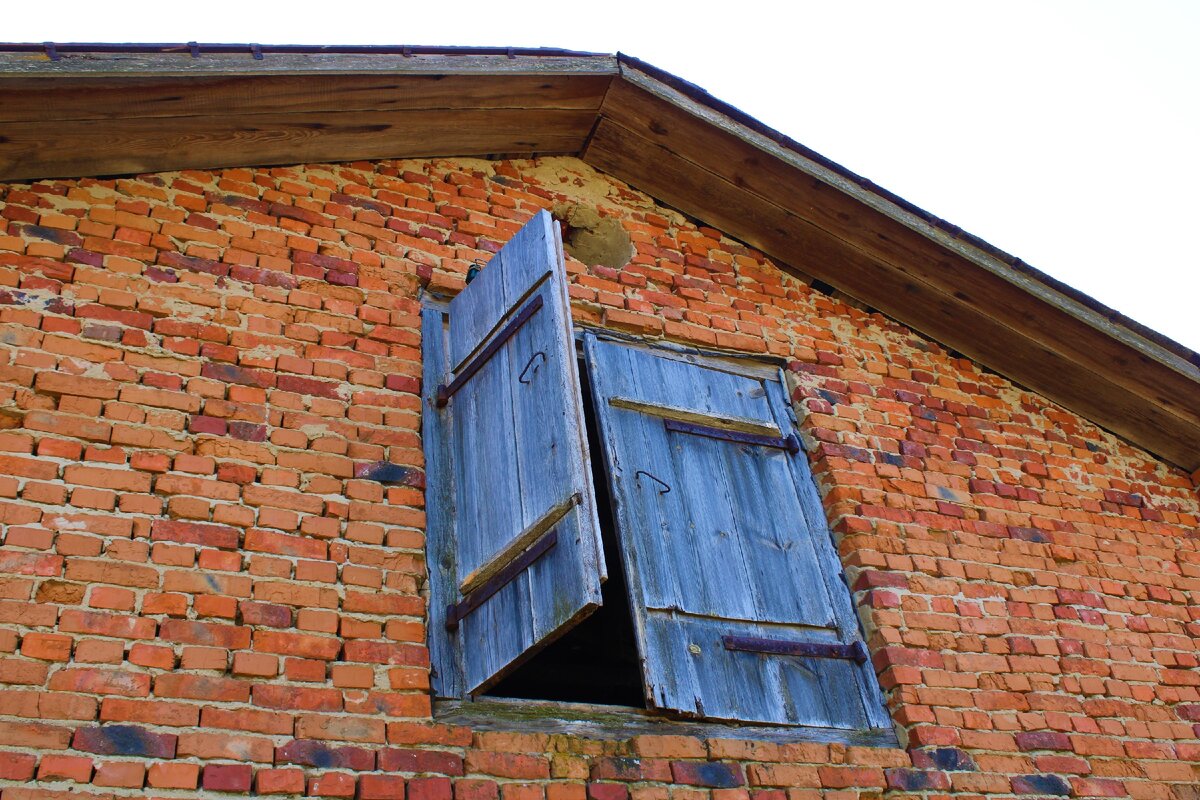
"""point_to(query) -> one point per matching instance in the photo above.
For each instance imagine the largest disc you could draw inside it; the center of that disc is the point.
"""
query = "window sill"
(620, 722)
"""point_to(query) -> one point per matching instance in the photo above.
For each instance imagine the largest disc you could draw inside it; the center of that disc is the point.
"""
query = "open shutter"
(528, 560)
(737, 597)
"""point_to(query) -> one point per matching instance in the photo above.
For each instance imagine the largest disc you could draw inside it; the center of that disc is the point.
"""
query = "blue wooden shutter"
(527, 553)
(737, 596)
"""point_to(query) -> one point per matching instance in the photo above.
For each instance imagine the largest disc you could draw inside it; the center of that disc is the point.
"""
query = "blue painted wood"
(730, 550)
(520, 458)
(446, 671)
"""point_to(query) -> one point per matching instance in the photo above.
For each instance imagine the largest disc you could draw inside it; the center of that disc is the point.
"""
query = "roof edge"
(1104, 318)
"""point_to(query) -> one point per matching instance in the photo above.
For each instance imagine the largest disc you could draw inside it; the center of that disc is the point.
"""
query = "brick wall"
(201, 597)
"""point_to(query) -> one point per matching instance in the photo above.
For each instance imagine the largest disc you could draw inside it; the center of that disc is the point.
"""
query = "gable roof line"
(122, 109)
(1001, 263)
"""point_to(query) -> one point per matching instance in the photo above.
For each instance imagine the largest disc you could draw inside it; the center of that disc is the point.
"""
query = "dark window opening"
(597, 660)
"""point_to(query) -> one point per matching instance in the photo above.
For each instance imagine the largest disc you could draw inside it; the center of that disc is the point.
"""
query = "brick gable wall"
(201, 596)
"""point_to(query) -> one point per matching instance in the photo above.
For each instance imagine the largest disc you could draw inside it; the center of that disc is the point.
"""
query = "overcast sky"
(1066, 133)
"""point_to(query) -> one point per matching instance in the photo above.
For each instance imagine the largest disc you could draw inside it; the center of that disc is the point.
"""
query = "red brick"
(124, 740)
(100, 681)
(173, 776)
(201, 687)
(318, 754)
(17, 766)
(279, 781)
(203, 534)
(401, 760)
(69, 768)
(234, 778)
(331, 784)
(388, 787)
(120, 774)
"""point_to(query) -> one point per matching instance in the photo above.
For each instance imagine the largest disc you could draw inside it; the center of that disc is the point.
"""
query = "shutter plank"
(775, 538)
(488, 497)
(714, 577)
(439, 501)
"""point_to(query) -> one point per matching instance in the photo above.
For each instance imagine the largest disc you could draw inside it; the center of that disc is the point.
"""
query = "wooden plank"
(446, 675)
(1003, 293)
(39, 99)
(789, 583)
(793, 239)
(461, 63)
(789, 443)
(509, 553)
(652, 561)
(34, 150)
(497, 579)
(856, 652)
(468, 368)
(608, 723)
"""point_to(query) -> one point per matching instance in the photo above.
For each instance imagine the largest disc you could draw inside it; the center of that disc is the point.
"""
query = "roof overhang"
(140, 109)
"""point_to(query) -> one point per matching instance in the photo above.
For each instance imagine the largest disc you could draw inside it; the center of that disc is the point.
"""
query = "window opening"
(597, 660)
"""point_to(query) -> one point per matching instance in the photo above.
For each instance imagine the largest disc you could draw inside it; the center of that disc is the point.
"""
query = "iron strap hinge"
(457, 611)
(789, 443)
(444, 391)
(855, 651)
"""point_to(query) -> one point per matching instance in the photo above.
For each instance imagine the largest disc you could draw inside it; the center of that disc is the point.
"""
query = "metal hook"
(666, 487)
(529, 364)
(476, 265)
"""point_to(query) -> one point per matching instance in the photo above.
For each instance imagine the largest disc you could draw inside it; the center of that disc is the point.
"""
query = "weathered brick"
(234, 778)
(714, 774)
(203, 534)
(318, 754)
(124, 740)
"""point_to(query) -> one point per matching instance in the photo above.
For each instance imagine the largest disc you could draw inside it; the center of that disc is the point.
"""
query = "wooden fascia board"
(1148, 394)
(121, 114)
(148, 65)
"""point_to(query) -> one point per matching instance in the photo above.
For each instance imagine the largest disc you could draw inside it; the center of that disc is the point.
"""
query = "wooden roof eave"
(825, 221)
(115, 114)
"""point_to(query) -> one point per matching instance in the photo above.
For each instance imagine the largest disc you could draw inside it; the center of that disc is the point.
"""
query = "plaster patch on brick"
(578, 182)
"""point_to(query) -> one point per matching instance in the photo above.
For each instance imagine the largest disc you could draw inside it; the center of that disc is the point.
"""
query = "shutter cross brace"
(457, 611)
(790, 443)
(855, 651)
(444, 391)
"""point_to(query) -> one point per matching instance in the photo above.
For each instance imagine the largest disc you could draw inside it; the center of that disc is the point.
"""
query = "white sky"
(1066, 133)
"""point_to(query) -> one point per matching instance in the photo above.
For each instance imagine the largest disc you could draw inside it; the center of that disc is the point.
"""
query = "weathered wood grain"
(617, 723)
(38, 99)
(446, 678)
(307, 64)
(133, 145)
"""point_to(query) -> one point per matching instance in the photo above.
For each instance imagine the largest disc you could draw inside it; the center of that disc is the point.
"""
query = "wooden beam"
(39, 99)
(181, 63)
(793, 238)
(116, 146)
